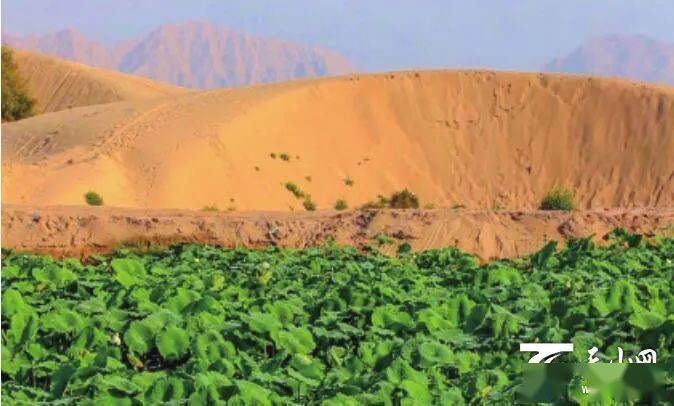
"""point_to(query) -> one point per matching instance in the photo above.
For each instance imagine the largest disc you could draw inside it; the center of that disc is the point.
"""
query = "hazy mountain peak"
(195, 54)
(630, 56)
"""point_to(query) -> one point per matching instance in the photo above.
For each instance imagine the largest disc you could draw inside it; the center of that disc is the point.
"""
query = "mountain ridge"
(193, 54)
(635, 57)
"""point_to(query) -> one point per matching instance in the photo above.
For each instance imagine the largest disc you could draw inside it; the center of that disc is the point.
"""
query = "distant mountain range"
(193, 54)
(629, 56)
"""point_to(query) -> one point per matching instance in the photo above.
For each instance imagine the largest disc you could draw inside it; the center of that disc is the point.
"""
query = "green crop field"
(330, 325)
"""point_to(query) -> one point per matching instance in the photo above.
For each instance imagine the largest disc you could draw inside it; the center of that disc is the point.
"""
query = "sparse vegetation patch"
(404, 200)
(382, 202)
(340, 204)
(558, 199)
(16, 102)
(383, 239)
(309, 204)
(93, 199)
(295, 190)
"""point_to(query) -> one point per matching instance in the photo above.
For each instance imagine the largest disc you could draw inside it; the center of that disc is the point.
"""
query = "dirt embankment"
(78, 231)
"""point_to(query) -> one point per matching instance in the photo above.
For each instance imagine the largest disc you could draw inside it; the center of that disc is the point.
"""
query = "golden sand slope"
(58, 84)
(480, 139)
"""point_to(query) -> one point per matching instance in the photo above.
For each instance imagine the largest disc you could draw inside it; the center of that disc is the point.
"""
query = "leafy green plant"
(383, 239)
(558, 199)
(16, 102)
(404, 199)
(93, 199)
(198, 324)
(340, 204)
(295, 190)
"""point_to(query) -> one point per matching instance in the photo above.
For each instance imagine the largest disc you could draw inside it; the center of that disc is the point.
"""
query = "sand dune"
(58, 84)
(480, 139)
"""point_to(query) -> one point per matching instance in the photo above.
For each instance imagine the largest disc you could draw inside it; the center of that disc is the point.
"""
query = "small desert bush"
(404, 200)
(340, 204)
(16, 102)
(308, 204)
(348, 181)
(209, 208)
(381, 203)
(273, 155)
(558, 199)
(295, 190)
(93, 199)
(284, 157)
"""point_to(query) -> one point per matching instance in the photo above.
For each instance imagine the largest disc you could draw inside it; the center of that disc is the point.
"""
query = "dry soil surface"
(82, 231)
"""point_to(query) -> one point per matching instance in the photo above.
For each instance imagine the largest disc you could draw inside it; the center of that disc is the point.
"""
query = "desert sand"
(83, 231)
(57, 84)
(483, 140)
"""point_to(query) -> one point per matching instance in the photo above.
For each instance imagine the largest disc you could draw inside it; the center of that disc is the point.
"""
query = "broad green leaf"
(297, 340)
(173, 343)
(169, 389)
(253, 394)
(118, 385)
(60, 379)
(417, 391)
(53, 275)
(12, 303)
(308, 367)
(23, 328)
(263, 322)
(341, 400)
(433, 353)
(646, 320)
(62, 321)
(128, 272)
(139, 337)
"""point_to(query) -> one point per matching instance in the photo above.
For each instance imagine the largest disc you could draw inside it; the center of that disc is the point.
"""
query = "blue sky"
(375, 34)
